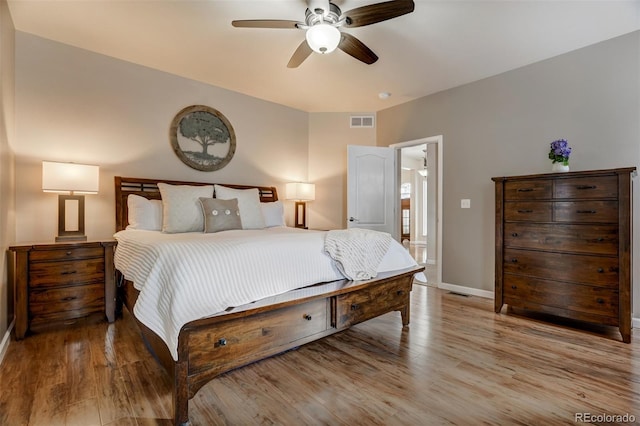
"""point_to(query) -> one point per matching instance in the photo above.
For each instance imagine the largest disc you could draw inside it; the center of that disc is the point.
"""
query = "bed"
(208, 346)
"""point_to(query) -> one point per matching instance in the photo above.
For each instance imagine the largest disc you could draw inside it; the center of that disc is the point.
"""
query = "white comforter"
(184, 277)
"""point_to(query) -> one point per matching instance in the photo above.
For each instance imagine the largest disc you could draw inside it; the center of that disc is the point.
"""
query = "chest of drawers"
(54, 284)
(563, 245)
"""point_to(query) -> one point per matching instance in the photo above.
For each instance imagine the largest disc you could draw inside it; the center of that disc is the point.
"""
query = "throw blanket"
(357, 252)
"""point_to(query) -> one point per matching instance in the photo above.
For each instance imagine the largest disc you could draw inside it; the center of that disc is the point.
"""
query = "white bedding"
(184, 277)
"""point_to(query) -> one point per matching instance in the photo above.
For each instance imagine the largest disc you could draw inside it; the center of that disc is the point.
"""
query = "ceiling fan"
(322, 24)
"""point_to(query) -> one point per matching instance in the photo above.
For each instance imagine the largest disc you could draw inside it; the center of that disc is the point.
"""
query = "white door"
(371, 188)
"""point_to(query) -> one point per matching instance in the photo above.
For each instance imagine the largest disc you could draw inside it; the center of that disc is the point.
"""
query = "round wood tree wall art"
(202, 138)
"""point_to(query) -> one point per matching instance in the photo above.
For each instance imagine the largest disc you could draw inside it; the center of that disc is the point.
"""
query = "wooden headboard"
(148, 188)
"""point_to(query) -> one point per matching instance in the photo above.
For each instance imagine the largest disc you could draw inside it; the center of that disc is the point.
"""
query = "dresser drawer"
(65, 254)
(237, 343)
(534, 211)
(358, 306)
(586, 187)
(594, 270)
(586, 211)
(528, 190)
(574, 297)
(595, 239)
(56, 274)
(65, 303)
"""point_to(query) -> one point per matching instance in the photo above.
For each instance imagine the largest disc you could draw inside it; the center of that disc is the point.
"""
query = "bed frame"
(211, 346)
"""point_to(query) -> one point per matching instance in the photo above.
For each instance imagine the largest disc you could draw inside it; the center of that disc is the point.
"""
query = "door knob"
(352, 219)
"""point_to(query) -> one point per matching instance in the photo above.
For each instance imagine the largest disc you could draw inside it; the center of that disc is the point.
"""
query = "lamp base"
(301, 215)
(71, 218)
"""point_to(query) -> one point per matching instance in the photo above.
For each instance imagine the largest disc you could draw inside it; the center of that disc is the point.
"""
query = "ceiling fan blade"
(265, 23)
(367, 15)
(354, 47)
(302, 52)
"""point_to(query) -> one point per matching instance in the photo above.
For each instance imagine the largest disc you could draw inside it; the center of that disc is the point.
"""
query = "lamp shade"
(301, 191)
(323, 38)
(69, 178)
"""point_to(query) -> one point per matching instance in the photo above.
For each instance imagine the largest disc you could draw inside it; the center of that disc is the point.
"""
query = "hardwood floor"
(457, 363)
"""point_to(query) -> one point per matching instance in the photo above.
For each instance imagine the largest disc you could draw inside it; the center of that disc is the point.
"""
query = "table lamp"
(71, 181)
(301, 193)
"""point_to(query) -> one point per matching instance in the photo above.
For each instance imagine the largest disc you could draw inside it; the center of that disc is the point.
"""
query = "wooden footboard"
(212, 346)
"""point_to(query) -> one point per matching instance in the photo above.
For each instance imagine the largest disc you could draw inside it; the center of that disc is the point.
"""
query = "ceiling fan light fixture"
(323, 38)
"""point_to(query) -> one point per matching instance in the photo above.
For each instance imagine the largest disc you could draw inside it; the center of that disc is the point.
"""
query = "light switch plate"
(465, 203)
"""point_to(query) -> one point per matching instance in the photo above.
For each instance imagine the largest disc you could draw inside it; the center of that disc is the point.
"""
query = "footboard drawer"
(240, 341)
(352, 308)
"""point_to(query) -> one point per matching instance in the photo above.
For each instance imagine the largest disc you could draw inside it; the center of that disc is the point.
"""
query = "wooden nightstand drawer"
(237, 342)
(358, 306)
(65, 303)
(56, 274)
(65, 254)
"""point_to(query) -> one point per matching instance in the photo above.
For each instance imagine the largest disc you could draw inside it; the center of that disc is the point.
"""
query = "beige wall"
(503, 126)
(7, 191)
(329, 135)
(75, 105)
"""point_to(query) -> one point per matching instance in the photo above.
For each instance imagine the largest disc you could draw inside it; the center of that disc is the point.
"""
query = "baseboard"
(4, 345)
(466, 290)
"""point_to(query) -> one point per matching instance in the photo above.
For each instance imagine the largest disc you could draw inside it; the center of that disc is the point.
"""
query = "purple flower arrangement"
(560, 151)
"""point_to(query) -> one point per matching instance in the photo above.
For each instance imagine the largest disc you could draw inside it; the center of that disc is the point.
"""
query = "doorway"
(419, 204)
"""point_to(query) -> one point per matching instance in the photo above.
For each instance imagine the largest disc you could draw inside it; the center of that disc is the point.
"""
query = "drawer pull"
(68, 272)
(600, 270)
(68, 253)
(515, 287)
(514, 260)
(400, 292)
(586, 187)
(222, 342)
(355, 306)
(307, 317)
(600, 300)
(515, 234)
(600, 239)
(525, 189)
(586, 211)
(69, 298)
(525, 211)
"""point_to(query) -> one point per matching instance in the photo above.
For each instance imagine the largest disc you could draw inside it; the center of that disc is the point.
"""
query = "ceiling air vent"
(362, 121)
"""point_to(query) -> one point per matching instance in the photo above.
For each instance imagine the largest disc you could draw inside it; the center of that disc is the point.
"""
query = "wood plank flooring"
(457, 363)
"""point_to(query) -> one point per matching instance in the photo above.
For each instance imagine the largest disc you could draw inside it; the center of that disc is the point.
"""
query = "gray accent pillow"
(220, 215)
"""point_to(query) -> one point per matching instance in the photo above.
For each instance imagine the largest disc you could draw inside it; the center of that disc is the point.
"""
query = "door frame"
(439, 141)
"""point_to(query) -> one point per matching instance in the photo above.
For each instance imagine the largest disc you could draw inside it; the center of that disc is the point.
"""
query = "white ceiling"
(442, 44)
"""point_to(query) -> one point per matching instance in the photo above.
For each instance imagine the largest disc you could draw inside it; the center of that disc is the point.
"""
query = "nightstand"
(59, 283)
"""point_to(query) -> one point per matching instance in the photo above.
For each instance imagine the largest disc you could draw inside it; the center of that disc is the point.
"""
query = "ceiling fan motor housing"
(331, 17)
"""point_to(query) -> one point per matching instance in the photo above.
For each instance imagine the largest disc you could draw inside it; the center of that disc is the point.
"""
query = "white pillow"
(273, 214)
(248, 203)
(144, 214)
(181, 211)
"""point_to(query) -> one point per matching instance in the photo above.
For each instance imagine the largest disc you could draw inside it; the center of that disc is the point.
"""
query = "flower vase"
(559, 167)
